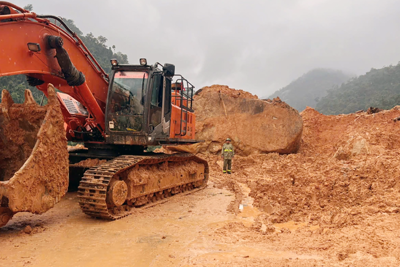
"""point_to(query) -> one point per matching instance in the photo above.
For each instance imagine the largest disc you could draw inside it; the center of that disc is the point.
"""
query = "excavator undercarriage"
(110, 190)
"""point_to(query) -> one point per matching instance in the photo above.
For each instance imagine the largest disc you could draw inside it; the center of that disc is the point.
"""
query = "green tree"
(16, 85)
(29, 7)
(377, 88)
(71, 24)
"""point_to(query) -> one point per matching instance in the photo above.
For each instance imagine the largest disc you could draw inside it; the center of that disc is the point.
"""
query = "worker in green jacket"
(227, 153)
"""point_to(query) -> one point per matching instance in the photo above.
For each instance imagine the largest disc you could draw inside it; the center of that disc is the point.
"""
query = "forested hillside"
(377, 88)
(309, 88)
(96, 45)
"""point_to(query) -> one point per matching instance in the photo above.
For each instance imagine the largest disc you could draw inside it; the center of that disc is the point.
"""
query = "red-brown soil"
(334, 203)
(347, 169)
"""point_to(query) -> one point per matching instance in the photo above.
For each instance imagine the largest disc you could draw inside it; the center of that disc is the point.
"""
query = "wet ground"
(211, 227)
(187, 230)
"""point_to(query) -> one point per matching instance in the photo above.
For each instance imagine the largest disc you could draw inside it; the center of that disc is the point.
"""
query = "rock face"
(254, 125)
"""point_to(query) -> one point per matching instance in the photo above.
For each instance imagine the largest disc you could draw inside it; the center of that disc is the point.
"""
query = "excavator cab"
(140, 106)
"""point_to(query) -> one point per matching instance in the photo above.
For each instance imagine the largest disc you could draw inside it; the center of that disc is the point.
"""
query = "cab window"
(127, 101)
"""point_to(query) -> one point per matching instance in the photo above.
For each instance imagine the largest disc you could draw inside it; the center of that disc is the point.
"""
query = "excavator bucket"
(33, 155)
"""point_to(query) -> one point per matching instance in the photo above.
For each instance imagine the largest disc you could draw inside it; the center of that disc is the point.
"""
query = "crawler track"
(92, 191)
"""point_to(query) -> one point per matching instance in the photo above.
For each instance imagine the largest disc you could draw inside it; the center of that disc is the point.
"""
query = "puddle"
(293, 226)
(227, 252)
(248, 213)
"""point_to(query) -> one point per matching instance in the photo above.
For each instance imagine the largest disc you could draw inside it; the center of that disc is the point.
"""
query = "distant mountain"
(377, 88)
(309, 88)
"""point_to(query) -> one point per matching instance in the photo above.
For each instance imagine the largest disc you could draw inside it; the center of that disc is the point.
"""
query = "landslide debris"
(337, 198)
(254, 125)
(346, 170)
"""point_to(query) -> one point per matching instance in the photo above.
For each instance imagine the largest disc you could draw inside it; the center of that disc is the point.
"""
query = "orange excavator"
(116, 116)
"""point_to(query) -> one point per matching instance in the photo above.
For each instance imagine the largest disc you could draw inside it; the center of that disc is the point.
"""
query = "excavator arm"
(47, 53)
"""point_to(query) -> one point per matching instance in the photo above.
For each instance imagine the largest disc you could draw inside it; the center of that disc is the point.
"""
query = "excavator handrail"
(17, 16)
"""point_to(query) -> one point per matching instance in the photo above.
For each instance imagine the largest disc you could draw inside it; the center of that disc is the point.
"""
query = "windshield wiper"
(142, 100)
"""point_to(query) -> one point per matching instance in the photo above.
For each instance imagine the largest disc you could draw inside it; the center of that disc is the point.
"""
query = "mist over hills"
(308, 89)
(377, 88)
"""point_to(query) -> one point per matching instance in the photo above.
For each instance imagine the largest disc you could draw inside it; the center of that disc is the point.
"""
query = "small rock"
(285, 231)
(269, 229)
(28, 229)
(342, 256)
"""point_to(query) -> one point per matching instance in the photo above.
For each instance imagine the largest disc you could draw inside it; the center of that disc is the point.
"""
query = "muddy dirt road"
(188, 230)
(197, 229)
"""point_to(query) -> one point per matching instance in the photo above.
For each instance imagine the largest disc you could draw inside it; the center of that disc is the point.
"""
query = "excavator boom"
(44, 52)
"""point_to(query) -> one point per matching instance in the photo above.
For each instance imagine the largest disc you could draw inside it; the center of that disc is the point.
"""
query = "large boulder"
(254, 125)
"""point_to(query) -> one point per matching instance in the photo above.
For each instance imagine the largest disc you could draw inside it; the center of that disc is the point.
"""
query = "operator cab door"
(160, 106)
(126, 105)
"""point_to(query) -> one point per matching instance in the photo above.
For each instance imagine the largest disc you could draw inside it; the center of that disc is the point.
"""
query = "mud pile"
(33, 155)
(254, 125)
(347, 169)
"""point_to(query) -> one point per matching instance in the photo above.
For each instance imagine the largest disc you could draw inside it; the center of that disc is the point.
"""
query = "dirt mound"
(327, 134)
(254, 125)
(347, 169)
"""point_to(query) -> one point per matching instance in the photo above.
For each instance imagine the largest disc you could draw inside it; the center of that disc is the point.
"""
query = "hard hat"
(228, 139)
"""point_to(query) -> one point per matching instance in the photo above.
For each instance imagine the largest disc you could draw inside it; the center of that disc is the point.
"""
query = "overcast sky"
(257, 46)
